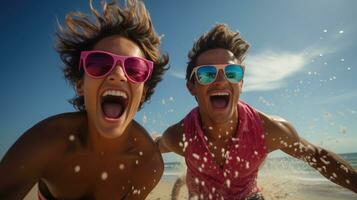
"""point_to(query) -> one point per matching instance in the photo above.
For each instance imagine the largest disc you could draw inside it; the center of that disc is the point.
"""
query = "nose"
(117, 74)
(220, 77)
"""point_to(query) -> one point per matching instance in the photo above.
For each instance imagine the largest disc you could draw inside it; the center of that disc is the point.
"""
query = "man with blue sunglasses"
(224, 141)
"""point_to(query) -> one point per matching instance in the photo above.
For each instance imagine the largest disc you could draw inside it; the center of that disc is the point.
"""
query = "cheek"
(90, 89)
(137, 92)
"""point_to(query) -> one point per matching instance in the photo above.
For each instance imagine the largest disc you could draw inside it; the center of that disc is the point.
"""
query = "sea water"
(285, 178)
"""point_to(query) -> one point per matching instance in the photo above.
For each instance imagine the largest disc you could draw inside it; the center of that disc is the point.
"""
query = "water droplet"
(104, 176)
(228, 182)
(348, 68)
(325, 30)
(77, 168)
(210, 196)
(247, 165)
(137, 162)
(321, 55)
(196, 156)
(121, 166)
(145, 119)
(341, 31)
(238, 159)
(71, 138)
(140, 153)
(202, 183)
(236, 174)
(342, 60)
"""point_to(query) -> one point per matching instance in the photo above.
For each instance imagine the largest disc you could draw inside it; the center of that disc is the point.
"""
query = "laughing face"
(217, 101)
(112, 101)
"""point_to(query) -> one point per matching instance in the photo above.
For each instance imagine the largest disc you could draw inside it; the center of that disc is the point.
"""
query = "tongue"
(219, 102)
(112, 110)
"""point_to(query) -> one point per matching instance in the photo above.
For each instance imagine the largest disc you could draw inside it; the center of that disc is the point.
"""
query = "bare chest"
(99, 176)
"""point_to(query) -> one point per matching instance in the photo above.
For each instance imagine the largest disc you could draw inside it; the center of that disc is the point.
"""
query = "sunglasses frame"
(116, 58)
(218, 67)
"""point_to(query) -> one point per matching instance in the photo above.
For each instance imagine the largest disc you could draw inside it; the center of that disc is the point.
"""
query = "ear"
(241, 86)
(190, 86)
(79, 87)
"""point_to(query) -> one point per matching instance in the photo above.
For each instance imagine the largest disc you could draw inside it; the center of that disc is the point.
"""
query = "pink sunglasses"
(99, 64)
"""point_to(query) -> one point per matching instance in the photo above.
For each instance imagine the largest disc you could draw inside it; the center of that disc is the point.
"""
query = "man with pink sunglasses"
(100, 152)
(224, 140)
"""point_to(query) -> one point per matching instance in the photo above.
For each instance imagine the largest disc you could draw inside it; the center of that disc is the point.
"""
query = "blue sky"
(301, 65)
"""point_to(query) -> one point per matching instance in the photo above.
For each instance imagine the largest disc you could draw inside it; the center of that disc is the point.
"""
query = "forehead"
(119, 45)
(216, 56)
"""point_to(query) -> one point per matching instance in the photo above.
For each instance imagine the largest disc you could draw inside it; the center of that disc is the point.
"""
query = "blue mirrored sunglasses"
(207, 74)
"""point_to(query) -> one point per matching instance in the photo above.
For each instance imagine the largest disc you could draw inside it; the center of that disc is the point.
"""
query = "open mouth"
(114, 103)
(219, 100)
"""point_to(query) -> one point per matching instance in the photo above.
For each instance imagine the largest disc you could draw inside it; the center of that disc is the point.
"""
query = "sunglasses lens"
(136, 69)
(234, 73)
(98, 64)
(206, 74)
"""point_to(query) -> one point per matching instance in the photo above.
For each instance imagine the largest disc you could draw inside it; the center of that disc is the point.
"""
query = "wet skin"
(219, 126)
(82, 155)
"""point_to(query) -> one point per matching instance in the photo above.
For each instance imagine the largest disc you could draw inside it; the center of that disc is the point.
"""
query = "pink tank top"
(237, 179)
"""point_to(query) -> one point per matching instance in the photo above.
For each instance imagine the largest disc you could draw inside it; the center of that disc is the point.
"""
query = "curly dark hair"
(220, 36)
(81, 33)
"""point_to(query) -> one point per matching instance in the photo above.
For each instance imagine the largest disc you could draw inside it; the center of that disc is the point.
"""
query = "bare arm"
(172, 140)
(282, 135)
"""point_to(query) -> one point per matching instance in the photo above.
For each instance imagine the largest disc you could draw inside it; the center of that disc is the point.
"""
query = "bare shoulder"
(278, 131)
(47, 136)
(35, 151)
(150, 166)
(141, 136)
(145, 146)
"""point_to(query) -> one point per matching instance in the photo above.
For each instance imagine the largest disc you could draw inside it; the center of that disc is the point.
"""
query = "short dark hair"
(81, 32)
(220, 36)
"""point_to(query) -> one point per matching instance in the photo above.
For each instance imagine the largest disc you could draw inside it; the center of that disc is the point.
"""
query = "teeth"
(220, 94)
(115, 93)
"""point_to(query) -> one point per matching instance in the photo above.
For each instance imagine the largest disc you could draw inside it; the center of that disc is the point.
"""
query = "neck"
(99, 143)
(220, 130)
